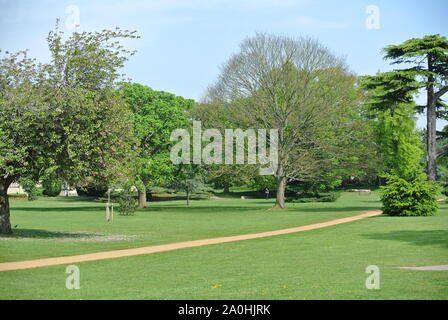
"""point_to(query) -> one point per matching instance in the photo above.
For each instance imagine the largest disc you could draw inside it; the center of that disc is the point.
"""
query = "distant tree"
(226, 176)
(188, 178)
(156, 114)
(65, 117)
(261, 183)
(428, 57)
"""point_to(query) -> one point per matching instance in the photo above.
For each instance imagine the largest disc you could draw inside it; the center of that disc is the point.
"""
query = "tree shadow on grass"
(58, 209)
(416, 238)
(44, 234)
(332, 209)
(199, 209)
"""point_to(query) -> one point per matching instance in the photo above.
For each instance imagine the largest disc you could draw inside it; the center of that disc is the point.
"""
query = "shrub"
(126, 201)
(51, 187)
(412, 197)
(30, 187)
(445, 189)
(88, 191)
(322, 197)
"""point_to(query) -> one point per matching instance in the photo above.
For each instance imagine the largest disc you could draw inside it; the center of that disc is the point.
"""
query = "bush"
(445, 189)
(126, 201)
(413, 197)
(30, 187)
(52, 187)
(91, 191)
(322, 197)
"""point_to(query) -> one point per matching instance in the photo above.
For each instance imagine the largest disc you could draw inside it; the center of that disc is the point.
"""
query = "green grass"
(52, 227)
(327, 263)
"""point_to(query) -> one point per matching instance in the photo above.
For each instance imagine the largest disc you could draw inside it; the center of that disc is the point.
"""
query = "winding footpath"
(45, 262)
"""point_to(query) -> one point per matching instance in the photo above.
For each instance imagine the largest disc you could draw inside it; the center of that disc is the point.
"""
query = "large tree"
(297, 87)
(64, 117)
(426, 60)
(407, 190)
(391, 106)
(156, 114)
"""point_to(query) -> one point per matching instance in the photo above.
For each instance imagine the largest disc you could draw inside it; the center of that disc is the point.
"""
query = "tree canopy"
(65, 116)
(426, 62)
(156, 114)
(297, 87)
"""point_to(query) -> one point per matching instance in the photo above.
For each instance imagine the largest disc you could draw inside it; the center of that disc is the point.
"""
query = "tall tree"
(297, 87)
(391, 106)
(407, 191)
(156, 114)
(65, 117)
(428, 57)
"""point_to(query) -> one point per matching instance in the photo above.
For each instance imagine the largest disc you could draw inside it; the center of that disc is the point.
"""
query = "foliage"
(126, 201)
(189, 178)
(30, 187)
(321, 197)
(225, 176)
(51, 187)
(65, 117)
(411, 197)
(391, 106)
(425, 62)
(91, 191)
(155, 115)
(299, 88)
(261, 183)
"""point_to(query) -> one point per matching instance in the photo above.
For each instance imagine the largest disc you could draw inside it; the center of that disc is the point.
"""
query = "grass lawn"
(327, 263)
(52, 227)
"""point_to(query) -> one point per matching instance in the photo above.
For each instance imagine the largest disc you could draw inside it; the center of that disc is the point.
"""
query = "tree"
(407, 192)
(156, 114)
(225, 176)
(64, 118)
(391, 106)
(429, 59)
(189, 179)
(297, 87)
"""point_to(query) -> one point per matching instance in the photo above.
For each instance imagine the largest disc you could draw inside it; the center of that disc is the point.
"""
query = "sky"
(184, 42)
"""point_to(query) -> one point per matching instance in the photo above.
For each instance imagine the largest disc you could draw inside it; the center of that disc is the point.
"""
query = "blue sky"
(183, 43)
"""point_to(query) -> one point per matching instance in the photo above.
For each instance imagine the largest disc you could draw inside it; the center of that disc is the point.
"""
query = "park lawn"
(51, 227)
(327, 263)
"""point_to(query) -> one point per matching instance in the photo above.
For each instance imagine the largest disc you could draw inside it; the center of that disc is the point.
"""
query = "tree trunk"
(226, 189)
(431, 119)
(142, 198)
(280, 199)
(5, 224)
(188, 198)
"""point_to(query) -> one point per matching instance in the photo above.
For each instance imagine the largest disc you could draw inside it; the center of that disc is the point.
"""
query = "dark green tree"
(407, 192)
(427, 61)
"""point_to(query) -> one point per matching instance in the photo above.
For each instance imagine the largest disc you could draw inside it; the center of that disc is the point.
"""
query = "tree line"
(79, 120)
